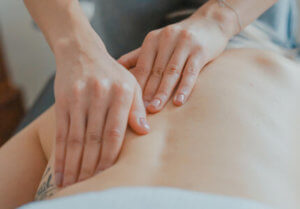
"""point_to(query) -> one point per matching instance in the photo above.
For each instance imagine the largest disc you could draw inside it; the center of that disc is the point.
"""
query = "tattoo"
(47, 186)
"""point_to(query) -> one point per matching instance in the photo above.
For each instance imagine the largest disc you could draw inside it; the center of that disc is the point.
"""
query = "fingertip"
(155, 106)
(179, 99)
(139, 125)
(176, 103)
(144, 124)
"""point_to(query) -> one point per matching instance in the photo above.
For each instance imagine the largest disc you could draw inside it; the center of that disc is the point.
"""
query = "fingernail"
(179, 98)
(155, 103)
(143, 122)
(58, 179)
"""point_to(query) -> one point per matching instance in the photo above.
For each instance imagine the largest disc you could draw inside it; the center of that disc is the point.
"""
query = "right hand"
(95, 98)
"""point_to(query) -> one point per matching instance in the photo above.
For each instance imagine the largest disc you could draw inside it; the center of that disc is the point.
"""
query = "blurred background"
(26, 62)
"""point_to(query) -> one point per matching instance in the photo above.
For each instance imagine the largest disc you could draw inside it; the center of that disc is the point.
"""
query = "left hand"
(174, 54)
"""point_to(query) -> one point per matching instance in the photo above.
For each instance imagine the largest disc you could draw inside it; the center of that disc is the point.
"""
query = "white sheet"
(146, 198)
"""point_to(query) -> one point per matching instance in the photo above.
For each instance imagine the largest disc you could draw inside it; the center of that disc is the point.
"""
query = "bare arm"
(62, 22)
(95, 96)
(234, 15)
(174, 55)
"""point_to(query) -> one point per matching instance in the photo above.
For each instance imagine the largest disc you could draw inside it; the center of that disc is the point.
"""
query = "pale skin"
(237, 135)
(96, 97)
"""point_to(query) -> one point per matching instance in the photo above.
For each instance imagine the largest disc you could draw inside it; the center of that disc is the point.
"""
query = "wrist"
(82, 44)
(79, 42)
(224, 17)
(69, 28)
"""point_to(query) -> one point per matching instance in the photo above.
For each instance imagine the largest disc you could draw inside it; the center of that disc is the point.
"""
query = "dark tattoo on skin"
(47, 187)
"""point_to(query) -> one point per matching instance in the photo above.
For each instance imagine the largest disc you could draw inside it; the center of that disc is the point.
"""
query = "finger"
(166, 47)
(75, 144)
(93, 136)
(146, 59)
(115, 127)
(129, 60)
(190, 74)
(62, 126)
(137, 116)
(170, 78)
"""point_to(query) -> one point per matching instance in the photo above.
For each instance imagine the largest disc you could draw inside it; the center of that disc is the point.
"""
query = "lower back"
(235, 136)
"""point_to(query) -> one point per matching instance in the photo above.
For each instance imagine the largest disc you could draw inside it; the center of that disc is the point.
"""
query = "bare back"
(237, 135)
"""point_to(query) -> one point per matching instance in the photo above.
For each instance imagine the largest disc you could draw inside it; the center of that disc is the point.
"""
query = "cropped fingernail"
(155, 103)
(179, 98)
(58, 179)
(144, 123)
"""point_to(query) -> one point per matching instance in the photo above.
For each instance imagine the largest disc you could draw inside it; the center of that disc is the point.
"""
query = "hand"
(95, 96)
(174, 54)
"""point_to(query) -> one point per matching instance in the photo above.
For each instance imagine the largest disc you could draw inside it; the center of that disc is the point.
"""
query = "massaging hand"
(174, 55)
(95, 96)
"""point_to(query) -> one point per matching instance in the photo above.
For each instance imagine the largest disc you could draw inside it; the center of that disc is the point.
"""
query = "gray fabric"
(123, 24)
(44, 101)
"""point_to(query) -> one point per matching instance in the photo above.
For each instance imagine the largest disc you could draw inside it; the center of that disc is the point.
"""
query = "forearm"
(63, 23)
(233, 19)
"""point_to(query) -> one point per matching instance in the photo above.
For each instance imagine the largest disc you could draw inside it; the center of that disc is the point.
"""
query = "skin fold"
(96, 97)
(237, 135)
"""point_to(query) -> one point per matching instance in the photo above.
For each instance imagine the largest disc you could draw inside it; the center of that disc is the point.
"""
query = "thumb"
(137, 117)
(129, 60)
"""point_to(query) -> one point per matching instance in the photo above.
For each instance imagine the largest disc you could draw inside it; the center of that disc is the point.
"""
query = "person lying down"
(235, 144)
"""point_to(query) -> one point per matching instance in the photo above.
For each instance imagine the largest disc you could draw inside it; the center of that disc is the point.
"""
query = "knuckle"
(100, 87)
(158, 71)
(75, 141)
(201, 53)
(141, 70)
(199, 49)
(60, 141)
(77, 88)
(60, 138)
(173, 69)
(93, 137)
(114, 134)
(150, 36)
(123, 88)
(168, 31)
(192, 71)
(186, 35)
